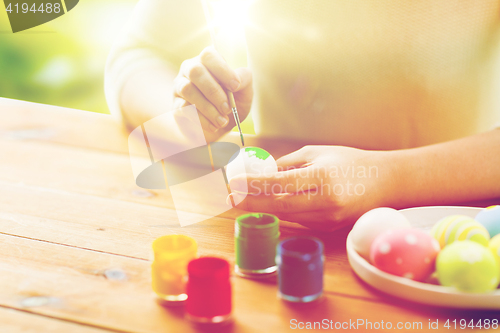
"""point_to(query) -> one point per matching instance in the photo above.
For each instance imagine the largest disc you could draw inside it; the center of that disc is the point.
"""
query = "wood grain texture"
(30, 121)
(16, 321)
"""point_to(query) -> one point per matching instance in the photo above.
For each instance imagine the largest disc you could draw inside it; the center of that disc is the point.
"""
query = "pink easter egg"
(410, 253)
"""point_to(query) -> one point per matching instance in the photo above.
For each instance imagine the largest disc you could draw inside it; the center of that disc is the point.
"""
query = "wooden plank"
(77, 170)
(107, 225)
(128, 229)
(15, 321)
(72, 283)
(31, 121)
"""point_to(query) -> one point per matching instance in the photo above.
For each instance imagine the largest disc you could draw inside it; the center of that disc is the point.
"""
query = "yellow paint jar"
(172, 253)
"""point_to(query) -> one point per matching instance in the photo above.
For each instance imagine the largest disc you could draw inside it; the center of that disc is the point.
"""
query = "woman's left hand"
(321, 187)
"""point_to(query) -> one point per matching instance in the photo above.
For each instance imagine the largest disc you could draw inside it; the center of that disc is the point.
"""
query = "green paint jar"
(256, 236)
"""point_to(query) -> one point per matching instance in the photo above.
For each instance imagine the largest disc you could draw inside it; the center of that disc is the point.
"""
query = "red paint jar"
(209, 290)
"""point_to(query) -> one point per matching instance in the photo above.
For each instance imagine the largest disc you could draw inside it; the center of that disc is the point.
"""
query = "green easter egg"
(457, 228)
(495, 248)
(468, 266)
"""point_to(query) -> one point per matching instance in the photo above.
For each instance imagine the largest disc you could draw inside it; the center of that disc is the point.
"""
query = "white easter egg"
(373, 223)
(251, 160)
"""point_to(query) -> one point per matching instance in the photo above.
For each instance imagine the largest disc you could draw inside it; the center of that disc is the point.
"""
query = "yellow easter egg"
(494, 247)
(459, 227)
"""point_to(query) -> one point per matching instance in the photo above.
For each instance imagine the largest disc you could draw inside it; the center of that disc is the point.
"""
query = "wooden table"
(76, 233)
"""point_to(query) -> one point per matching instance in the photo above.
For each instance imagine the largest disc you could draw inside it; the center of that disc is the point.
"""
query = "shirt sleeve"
(159, 32)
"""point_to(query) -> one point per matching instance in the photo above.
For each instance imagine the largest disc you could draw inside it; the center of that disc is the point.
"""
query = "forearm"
(145, 60)
(457, 171)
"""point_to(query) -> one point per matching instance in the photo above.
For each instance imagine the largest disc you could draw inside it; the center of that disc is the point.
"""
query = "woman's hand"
(321, 187)
(203, 81)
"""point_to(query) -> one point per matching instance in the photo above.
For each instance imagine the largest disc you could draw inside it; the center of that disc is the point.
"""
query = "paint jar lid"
(299, 250)
(208, 288)
(256, 225)
(173, 247)
(208, 268)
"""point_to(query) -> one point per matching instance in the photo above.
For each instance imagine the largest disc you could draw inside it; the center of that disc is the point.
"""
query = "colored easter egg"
(459, 227)
(494, 247)
(410, 253)
(251, 160)
(373, 223)
(490, 219)
(468, 266)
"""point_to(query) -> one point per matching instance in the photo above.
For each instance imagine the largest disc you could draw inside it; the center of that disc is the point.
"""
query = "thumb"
(244, 93)
(245, 75)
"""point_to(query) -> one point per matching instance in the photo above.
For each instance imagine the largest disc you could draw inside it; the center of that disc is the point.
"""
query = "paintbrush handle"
(232, 104)
(230, 96)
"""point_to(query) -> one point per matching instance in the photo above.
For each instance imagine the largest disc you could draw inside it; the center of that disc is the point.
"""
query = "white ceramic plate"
(423, 218)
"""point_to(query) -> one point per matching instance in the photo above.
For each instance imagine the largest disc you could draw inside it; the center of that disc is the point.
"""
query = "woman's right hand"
(203, 81)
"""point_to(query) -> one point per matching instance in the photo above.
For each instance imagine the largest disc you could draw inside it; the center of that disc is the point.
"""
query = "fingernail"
(238, 198)
(225, 108)
(234, 85)
(222, 121)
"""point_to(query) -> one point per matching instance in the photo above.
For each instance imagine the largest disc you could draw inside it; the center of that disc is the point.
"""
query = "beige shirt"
(377, 74)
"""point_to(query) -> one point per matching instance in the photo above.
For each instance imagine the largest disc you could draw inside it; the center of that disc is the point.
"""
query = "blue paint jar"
(300, 269)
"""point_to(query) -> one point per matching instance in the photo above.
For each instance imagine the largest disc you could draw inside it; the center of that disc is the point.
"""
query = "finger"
(289, 181)
(205, 123)
(297, 159)
(188, 91)
(220, 69)
(205, 82)
(318, 220)
(288, 203)
(323, 218)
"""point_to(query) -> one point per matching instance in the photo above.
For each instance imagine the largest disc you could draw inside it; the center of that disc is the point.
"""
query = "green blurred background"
(62, 62)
